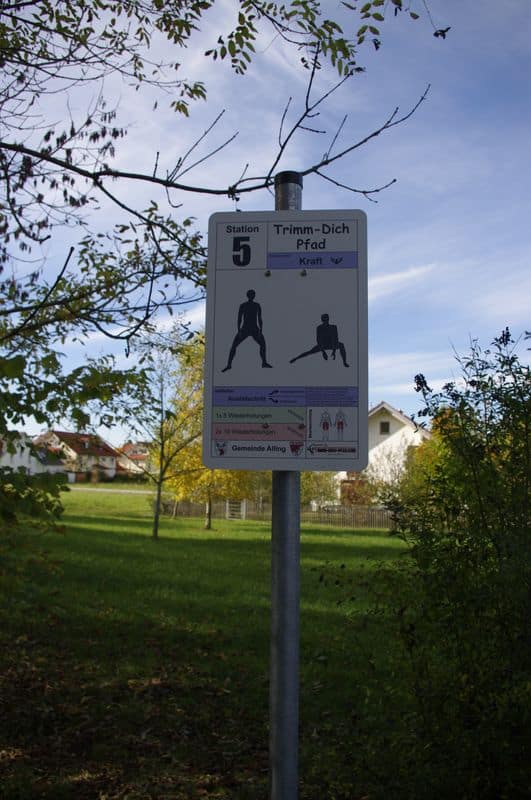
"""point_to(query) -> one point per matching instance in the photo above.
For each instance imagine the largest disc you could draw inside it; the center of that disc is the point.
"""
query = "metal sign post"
(286, 390)
(285, 561)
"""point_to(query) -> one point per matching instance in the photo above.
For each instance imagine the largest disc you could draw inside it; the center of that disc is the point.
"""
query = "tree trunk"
(161, 471)
(208, 517)
(156, 517)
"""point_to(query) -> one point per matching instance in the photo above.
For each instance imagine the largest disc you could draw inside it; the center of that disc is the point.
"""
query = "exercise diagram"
(249, 324)
(340, 422)
(326, 424)
(327, 339)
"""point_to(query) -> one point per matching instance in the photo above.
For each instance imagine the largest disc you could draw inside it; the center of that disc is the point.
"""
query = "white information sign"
(286, 341)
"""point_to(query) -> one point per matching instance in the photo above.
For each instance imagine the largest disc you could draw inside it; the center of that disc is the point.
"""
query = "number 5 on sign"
(241, 251)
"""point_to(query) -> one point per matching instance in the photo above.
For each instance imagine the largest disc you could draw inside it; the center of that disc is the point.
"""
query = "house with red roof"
(134, 457)
(84, 455)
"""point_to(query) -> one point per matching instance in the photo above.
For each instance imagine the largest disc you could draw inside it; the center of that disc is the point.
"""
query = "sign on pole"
(286, 341)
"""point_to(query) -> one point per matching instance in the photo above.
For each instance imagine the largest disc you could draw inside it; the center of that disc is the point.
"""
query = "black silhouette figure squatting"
(327, 339)
(249, 324)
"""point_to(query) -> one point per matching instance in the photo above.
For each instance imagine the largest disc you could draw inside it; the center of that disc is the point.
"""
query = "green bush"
(29, 499)
(449, 714)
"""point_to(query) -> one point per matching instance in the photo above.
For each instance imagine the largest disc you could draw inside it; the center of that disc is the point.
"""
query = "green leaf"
(12, 367)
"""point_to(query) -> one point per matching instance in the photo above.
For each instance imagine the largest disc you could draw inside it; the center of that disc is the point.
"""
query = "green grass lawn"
(138, 669)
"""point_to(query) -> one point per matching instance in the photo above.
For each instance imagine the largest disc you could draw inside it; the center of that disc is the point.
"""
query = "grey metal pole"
(285, 558)
(288, 191)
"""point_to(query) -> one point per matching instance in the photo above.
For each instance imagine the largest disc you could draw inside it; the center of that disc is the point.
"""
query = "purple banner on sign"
(274, 396)
(313, 259)
(259, 396)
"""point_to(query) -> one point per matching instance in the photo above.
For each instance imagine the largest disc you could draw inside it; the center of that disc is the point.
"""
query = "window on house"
(384, 428)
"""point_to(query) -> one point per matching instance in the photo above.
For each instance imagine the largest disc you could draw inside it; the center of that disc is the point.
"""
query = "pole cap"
(288, 177)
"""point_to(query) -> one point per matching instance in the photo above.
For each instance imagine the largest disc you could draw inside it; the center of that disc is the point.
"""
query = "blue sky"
(449, 243)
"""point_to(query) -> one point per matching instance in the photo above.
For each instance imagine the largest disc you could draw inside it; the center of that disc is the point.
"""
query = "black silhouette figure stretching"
(327, 339)
(249, 324)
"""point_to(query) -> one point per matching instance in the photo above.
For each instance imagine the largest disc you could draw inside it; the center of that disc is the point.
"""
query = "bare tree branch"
(390, 123)
(175, 172)
(365, 192)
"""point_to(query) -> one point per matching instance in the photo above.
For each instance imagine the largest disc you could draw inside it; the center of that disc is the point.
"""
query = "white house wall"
(387, 456)
(24, 458)
(388, 451)
(131, 466)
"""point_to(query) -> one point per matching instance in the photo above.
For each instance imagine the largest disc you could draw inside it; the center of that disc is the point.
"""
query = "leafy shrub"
(26, 498)
(447, 714)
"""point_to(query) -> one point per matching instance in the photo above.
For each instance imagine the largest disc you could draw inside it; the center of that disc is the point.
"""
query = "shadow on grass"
(107, 523)
(140, 668)
(181, 528)
(152, 723)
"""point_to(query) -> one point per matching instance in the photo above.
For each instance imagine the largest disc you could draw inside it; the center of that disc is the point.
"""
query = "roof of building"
(137, 456)
(399, 415)
(86, 444)
(135, 449)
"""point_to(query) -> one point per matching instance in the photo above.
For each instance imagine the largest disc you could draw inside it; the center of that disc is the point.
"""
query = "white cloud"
(399, 368)
(385, 390)
(196, 315)
(391, 377)
(193, 315)
(385, 285)
(505, 298)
